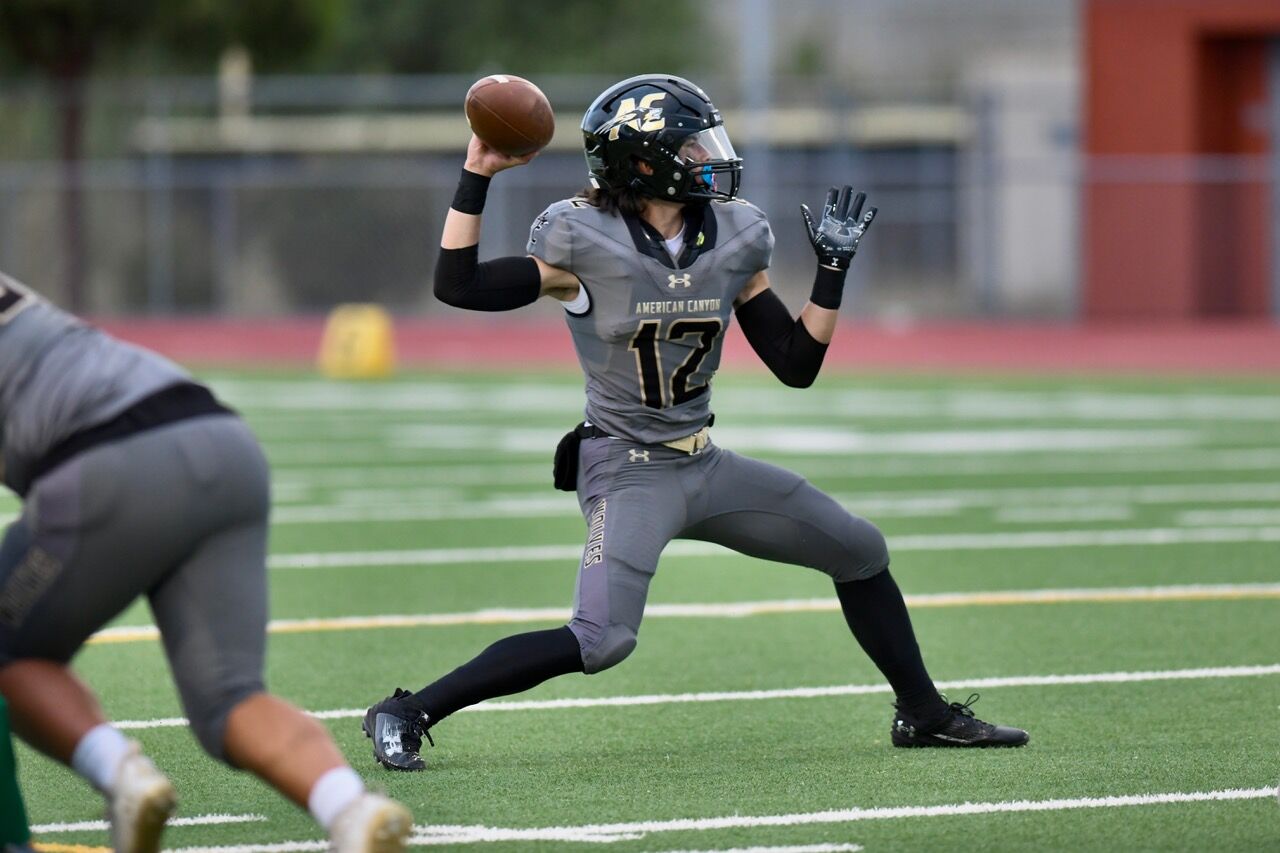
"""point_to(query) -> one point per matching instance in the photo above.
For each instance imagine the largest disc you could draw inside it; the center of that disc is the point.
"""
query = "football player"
(136, 481)
(649, 263)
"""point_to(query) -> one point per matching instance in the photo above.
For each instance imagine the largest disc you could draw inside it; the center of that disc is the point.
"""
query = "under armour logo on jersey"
(634, 455)
(673, 280)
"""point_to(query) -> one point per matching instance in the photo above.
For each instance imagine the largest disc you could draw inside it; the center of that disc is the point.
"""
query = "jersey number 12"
(656, 390)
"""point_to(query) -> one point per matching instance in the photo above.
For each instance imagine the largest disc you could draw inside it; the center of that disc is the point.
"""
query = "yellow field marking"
(500, 616)
(69, 848)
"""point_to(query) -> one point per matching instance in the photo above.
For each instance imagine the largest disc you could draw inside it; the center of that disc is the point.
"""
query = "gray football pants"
(178, 513)
(637, 498)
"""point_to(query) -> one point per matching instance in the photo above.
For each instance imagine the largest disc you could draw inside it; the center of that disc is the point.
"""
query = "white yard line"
(800, 692)
(791, 437)
(280, 847)
(1138, 493)
(741, 609)
(443, 556)
(500, 472)
(539, 505)
(608, 833)
(1195, 518)
(429, 839)
(817, 440)
(421, 474)
(855, 815)
(1036, 539)
(421, 441)
(532, 506)
(433, 505)
(1082, 538)
(197, 820)
(313, 452)
(284, 396)
(987, 465)
(1054, 503)
(1064, 514)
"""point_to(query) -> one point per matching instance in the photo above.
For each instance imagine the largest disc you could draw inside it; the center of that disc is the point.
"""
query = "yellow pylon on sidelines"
(358, 343)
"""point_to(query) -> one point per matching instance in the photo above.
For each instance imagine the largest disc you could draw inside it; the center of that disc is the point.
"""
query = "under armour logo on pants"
(634, 455)
(673, 280)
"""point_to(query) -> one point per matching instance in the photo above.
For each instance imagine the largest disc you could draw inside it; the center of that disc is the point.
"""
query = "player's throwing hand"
(486, 161)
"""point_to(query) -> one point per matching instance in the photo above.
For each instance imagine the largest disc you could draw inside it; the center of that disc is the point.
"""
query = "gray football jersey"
(651, 340)
(59, 376)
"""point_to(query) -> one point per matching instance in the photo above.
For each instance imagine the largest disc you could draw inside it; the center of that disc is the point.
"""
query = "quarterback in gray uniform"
(650, 262)
(136, 481)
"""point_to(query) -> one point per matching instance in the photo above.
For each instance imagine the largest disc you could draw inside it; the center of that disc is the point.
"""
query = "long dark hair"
(625, 201)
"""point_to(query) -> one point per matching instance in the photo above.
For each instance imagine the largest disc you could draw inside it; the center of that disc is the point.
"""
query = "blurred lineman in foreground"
(135, 480)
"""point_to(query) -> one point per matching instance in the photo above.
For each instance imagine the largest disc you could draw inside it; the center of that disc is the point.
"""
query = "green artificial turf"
(470, 456)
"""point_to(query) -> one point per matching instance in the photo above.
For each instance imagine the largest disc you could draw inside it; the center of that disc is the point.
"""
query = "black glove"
(836, 237)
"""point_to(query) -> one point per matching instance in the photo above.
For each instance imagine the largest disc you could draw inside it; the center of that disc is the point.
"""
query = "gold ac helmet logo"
(644, 117)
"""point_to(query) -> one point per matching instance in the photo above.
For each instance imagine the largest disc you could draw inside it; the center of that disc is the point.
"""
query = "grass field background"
(1123, 531)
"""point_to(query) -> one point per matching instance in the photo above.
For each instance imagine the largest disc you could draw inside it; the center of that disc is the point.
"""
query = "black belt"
(170, 405)
(586, 430)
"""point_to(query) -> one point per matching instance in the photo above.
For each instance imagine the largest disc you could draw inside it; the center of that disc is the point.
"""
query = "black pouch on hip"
(565, 471)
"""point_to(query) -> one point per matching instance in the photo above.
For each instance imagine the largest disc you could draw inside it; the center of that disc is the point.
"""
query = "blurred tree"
(65, 38)
(574, 36)
(280, 35)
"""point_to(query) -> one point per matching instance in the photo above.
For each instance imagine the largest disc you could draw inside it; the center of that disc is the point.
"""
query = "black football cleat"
(959, 728)
(397, 730)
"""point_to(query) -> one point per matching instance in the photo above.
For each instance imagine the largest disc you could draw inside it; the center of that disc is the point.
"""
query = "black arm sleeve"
(783, 344)
(498, 285)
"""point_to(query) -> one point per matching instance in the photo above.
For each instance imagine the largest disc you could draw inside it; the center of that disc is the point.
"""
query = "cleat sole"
(960, 746)
(912, 744)
(390, 830)
(153, 813)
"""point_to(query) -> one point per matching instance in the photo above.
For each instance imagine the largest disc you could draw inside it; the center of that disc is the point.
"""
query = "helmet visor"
(719, 175)
(707, 146)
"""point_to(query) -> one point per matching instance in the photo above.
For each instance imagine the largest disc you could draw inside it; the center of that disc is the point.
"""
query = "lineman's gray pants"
(178, 513)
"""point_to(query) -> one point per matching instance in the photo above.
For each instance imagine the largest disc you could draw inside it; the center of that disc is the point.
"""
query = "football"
(510, 114)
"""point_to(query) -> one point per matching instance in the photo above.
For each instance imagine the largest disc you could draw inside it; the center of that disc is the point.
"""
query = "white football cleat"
(141, 802)
(371, 824)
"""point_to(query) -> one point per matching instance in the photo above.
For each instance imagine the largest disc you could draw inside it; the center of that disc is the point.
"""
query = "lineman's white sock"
(333, 791)
(98, 755)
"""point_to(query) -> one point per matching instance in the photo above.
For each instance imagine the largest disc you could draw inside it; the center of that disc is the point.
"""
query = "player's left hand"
(835, 239)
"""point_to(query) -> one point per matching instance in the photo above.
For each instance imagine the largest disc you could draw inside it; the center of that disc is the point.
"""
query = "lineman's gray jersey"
(59, 376)
(651, 339)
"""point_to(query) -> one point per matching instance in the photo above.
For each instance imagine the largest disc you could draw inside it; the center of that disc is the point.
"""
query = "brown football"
(510, 114)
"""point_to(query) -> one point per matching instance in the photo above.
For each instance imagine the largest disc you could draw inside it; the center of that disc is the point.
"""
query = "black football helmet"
(670, 124)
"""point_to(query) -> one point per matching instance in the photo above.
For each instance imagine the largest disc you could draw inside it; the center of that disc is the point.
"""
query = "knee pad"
(871, 552)
(610, 649)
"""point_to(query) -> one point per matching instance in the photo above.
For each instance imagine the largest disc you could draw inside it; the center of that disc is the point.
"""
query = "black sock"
(878, 617)
(511, 665)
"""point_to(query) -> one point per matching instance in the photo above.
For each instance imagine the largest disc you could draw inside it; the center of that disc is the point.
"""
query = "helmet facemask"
(686, 166)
